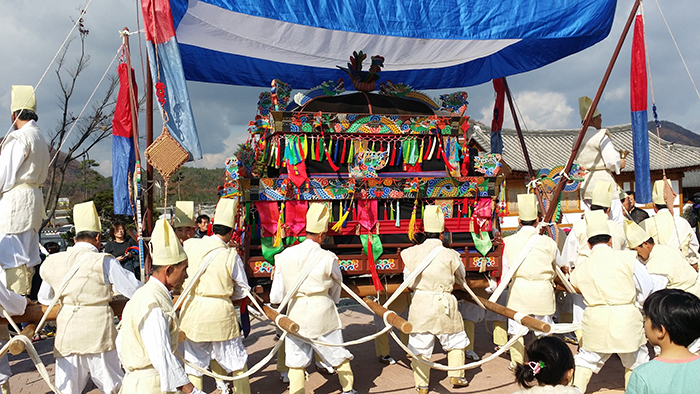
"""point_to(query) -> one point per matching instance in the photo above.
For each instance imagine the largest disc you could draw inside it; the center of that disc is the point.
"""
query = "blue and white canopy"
(425, 43)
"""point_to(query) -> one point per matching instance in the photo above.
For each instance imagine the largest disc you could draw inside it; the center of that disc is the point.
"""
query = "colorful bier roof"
(551, 148)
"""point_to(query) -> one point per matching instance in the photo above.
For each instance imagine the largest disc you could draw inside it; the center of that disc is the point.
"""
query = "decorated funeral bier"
(375, 159)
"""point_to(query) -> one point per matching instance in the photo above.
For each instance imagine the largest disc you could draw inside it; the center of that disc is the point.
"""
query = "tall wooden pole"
(149, 141)
(530, 170)
(587, 119)
(149, 167)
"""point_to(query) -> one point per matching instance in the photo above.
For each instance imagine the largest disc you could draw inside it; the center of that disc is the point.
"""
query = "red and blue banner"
(166, 68)
(497, 122)
(123, 159)
(638, 103)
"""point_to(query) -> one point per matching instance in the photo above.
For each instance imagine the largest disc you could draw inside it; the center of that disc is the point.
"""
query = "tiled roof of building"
(551, 148)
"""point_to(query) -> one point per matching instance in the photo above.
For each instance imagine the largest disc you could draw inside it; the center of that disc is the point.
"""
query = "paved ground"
(370, 375)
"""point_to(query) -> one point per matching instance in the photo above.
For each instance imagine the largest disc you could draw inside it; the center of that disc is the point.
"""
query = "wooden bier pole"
(527, 321)
(587, 119)
(286, 323)
(18, 347)
(393, 319)
(34, 313)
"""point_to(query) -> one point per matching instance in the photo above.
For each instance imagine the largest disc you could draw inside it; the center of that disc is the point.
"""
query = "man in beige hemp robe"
(433, 311)
(599, 158)
(24, 164)
(531, 289)
(576, 247)
(667, 266)
(208, 318)
(313, 305)
(183, 223)
(85, 330)
(610, 281)
(669, 229)
(148, 338)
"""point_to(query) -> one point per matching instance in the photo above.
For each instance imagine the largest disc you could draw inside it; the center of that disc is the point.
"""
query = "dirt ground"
(370, 375)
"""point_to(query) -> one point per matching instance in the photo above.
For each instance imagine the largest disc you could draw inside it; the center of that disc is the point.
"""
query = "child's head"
(674, 314)
(550, 361)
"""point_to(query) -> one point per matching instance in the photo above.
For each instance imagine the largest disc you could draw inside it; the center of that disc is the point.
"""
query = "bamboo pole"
(587, 119)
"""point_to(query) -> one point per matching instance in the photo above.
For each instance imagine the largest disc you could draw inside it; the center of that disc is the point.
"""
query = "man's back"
(611, 322)
(209, 315)
(85, 301)
(313, 305)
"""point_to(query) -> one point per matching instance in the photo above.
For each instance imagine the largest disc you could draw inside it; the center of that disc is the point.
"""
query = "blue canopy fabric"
(428, 44)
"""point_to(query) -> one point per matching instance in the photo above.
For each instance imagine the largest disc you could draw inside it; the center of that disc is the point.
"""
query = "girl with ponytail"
(548, 370)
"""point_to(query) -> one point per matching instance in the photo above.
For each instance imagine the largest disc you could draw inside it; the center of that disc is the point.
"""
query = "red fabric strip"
(269, 212)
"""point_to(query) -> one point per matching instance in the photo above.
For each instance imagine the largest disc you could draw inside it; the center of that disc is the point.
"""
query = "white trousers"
(230, 354)
(299, 354)
(423, 343)
(595, 361)
(5, 371)
(577, 308)
(105, 369)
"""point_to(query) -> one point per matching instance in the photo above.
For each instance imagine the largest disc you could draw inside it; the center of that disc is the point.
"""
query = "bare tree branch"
(94, 126)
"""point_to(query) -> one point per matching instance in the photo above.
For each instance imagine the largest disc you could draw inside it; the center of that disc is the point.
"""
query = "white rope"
(556, 329)
(349, 343)
(77, 21)
(257, 366)
(677, 49)
(247, 373)
(441, 367)
(31, 351)
(75, 122)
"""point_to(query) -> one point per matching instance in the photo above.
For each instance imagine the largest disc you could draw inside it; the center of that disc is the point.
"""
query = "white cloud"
(619, 93)
(105, 167)
(216, 160)
(537, 111)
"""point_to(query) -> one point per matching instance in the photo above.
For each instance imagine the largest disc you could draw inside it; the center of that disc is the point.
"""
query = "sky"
(34, 30)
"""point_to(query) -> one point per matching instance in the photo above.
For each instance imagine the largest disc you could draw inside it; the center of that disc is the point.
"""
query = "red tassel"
(345, 143)
(372, 266)
(328, 156)
(393, 153)
(279, 153)
(318, 152)
(427, 151)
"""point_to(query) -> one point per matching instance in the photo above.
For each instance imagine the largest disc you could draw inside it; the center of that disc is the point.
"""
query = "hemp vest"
(611, 322)
(208, 315)
(531, 289)
(22, 207)
(669, 262)
(433, 308)
(149, 296)
(590, 157)
(670, 230)
(619, 240)
(312, 307)
(84, 303)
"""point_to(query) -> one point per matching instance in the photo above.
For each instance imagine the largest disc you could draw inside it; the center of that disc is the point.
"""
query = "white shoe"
(223, 387)
(470, 354)
(284, 377)
(350, 392)
(388, 360)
